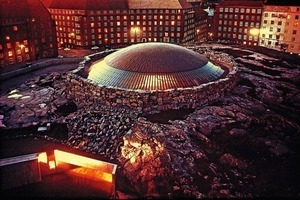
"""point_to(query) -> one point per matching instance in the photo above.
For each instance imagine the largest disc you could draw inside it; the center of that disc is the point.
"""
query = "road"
(14, 82)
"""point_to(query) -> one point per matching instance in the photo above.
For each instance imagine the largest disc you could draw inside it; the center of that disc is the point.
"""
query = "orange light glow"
(133, 150)
(254, 31)
(64, 157)
(92, 174)
(52, 164)
(43, 157)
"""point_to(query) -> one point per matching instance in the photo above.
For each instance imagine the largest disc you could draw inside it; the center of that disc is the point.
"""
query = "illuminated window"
(19, 58)
(15, 28)
(10, 53)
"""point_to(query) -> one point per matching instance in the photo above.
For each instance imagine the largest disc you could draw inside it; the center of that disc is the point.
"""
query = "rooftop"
(154, 66)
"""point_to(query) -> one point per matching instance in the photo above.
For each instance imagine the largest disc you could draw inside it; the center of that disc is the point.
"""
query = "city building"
(195, 2)
(27, 32)
(280, 27)
(86, 23)
(238, 21)
(201, 25)
(210, 22)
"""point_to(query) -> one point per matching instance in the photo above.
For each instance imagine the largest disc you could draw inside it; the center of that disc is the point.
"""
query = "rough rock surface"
(245, 144)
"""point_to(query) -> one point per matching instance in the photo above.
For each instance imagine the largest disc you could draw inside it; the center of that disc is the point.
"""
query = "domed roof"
(154, 66)
(156, 58)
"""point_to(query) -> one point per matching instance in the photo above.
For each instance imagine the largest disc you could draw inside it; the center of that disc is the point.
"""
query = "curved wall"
(87, 92)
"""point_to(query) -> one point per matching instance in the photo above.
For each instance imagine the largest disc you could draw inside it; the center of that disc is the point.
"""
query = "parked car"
(95, 48)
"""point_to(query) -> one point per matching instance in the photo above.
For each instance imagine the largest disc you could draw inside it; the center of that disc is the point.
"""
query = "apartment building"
(201, 25)
(280, 27)
(27, 32)
(88, 23)
(238, 21)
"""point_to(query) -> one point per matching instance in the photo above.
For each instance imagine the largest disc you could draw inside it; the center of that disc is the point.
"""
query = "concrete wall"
(20, 170)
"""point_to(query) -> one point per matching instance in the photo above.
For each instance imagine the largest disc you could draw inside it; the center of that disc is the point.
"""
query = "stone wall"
(82, 90)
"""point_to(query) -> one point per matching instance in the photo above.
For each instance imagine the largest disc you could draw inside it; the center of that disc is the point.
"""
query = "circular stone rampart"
(87, 92)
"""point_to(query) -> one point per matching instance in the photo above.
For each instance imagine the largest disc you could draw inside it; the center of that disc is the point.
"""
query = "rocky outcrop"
(242, 144)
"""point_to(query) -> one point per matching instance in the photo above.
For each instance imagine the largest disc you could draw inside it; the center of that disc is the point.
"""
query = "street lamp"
(198, 37)
(254, 31)
(135, 30)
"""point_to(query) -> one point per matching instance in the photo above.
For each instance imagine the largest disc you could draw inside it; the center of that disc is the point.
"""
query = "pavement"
(72, 53)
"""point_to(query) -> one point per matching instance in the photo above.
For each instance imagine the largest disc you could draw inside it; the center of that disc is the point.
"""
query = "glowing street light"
(135, 30)
(254, 31)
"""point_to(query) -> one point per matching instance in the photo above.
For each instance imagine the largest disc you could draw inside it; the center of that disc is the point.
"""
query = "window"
(15, 28)
(294, 32)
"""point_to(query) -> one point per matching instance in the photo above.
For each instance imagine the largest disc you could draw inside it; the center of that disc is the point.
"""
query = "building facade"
(201, 25)
(281, 28)
(84, 24)
(237, 21)
(27, 32)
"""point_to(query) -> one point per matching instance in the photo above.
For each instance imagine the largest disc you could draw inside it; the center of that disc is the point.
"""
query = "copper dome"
(154, 66)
